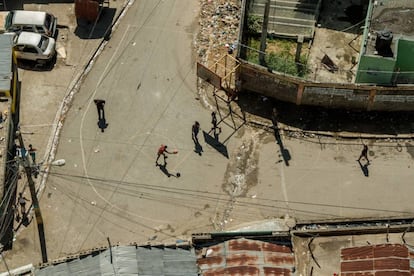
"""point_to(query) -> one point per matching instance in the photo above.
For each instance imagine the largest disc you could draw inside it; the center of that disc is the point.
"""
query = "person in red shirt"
(162, 151)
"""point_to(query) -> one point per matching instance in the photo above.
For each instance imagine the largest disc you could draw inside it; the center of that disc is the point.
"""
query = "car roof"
(28, 17)
(29, 38)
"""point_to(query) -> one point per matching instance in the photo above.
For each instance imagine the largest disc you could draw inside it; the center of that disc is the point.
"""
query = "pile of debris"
(219, 29)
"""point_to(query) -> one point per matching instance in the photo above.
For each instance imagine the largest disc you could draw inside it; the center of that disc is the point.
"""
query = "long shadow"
(198, 148)
(164, 170)
(215, 143)
(364, 168)
(233, 116)
(323, 119)
(285, 154)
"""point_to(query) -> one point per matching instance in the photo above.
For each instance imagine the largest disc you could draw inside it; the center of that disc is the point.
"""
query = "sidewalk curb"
(74, 86)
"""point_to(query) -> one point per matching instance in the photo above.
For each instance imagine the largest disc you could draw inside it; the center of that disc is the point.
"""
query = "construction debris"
(219, 25)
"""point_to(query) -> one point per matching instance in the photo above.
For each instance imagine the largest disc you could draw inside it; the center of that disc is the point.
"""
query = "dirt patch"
(242, 171)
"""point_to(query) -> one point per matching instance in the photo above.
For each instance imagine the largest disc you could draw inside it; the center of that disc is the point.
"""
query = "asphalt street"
(111, 187)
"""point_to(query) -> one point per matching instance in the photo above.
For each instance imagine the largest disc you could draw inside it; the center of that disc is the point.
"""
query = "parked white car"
(34, 46)
(31, 21)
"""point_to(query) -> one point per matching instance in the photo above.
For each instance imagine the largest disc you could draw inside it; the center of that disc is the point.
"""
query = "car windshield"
(48, 21)
(9, 19)
(44, 41)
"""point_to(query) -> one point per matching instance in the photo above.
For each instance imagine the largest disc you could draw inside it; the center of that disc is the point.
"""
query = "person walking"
(195, 130)
(22, 201)
(100, 104)
(32, 153)
(364, 153)
(162, 151)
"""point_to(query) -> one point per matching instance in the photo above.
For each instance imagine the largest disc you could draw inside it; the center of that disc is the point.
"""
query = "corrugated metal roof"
(129, 260)
(246, 257)
(6, 48)
(383, 259)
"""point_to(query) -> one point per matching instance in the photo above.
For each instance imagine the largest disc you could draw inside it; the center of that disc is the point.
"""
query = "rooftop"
(394, 16)
(246, 257)
(361, 254)
(127, 260)
(333, 51)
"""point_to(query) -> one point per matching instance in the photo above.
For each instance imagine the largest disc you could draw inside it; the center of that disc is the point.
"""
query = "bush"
(281, 58)
(254, 24)
(286, 64)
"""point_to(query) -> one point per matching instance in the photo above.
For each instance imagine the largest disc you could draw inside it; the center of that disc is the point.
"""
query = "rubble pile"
(219, 27)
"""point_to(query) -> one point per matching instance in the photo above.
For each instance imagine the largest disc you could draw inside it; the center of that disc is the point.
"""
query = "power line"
(132, 188)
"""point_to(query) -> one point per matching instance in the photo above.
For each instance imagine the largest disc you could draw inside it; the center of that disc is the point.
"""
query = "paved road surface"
(110, 186)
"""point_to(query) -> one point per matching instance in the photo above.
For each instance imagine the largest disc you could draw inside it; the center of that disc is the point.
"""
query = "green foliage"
(286, 64)
(254, 24)
(252, 54)
(281, 59)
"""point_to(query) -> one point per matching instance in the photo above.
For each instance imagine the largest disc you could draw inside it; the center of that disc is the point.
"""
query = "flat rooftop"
(395, 16)
(324, 256)
(339, 35)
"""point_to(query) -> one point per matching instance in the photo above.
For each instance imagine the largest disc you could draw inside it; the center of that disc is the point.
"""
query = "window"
(30, 49)
(39, 29)
(48, 21)
(27, 28)
(19, 48)
(44, 41)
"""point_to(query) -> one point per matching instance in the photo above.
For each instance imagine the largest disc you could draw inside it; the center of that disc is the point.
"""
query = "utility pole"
(263, 37)
(35, 201)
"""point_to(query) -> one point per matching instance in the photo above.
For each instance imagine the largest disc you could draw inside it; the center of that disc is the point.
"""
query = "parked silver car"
(31, 21)
(34, 46)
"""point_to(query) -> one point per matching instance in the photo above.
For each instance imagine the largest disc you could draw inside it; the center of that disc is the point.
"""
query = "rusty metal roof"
(246, 257)
(378, 260)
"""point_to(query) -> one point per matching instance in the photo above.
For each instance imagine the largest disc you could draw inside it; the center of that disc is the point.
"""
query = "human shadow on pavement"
(198, 148)
(364, 168)
(284, 153)
(215, 143)
(165, 171)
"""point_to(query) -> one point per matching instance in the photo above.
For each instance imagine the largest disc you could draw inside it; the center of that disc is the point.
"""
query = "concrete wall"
(347, 96)
(258, 79)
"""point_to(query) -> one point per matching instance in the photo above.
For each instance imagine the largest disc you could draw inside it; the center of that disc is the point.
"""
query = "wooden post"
(263, 38)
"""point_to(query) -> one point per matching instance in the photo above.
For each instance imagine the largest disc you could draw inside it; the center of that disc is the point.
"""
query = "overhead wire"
(81, 141)
(134, 188)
